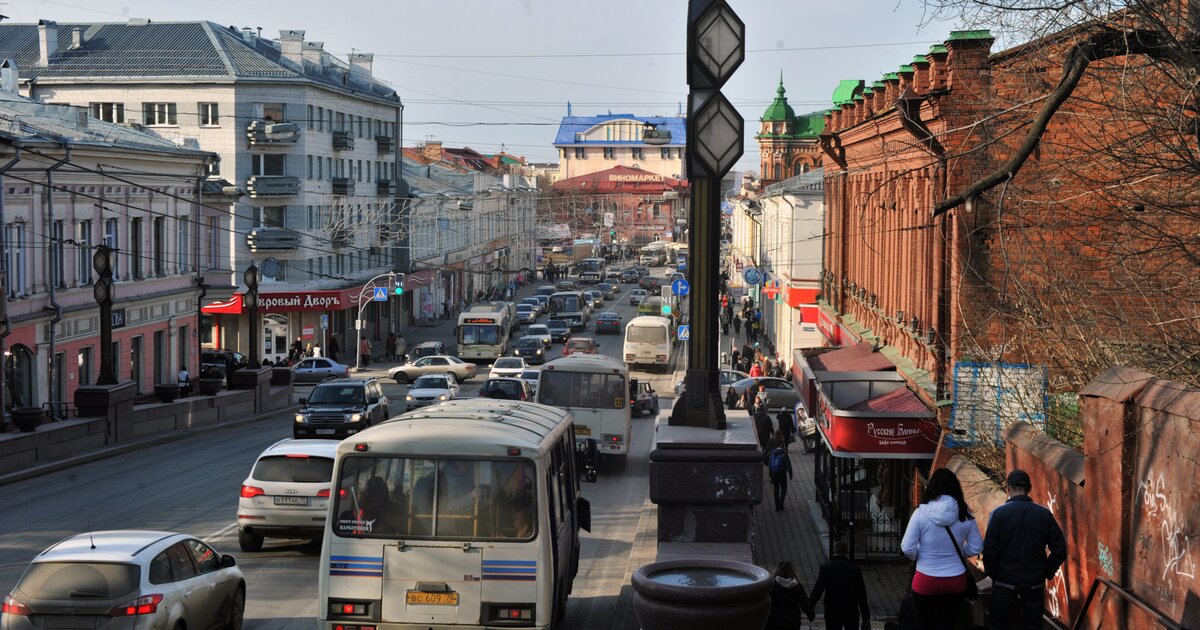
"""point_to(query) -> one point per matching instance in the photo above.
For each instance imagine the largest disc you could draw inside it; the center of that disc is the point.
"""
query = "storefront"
(874, 433)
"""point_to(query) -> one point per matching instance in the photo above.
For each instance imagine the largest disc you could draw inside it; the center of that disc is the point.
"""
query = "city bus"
(653, 254)
(648, 341)
(483, 335)
(592, 270)
(464, 514)
(595, 389)
(569, 305)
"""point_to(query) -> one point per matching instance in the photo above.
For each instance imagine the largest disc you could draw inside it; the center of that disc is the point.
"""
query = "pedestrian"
(779, 468)
(940, 528)
(316, 350)
(308, 349)
(185, 382)
(297, 350)
(755, 370)
(731, 398)
(762, 400)
(737, 324)
(364, 351)
(446, 308)
(787, 426)
(334, 349)
(735, 359)
(789, 602)
(389, 345)
(841, 581)
(763, 430)
(401, 348)
(1014, 555)
(724, 325)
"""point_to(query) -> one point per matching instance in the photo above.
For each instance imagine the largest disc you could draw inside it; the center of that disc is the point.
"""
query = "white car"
(541, 331)
(530, 376)
(431, 389)
(507, 366)
(287, 492)
(535, 303)
(526, 313)
(127, 579)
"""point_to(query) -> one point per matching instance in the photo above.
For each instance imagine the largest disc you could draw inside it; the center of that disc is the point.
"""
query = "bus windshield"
(584, 390)
(487, 334)
(646, 334)
(564, 303)
(426, 497)
(590, 265)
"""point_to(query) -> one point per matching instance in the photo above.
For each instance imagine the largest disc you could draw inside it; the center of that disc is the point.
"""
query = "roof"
(857, 358)
(493, 423)
(779, 110)
(590, 361)
(899, 400)
(173, 51)
(572, 125)
(846, 90)
(111, 546)
(292, 446)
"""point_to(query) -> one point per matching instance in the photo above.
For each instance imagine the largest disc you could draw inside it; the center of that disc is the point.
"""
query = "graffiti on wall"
(1104, 555)
(1174, 538)
(1056, 589)
(990, 397)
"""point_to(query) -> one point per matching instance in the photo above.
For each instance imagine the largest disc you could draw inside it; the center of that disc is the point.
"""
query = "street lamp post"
(250, 278)
(103, 292)
(362, 306)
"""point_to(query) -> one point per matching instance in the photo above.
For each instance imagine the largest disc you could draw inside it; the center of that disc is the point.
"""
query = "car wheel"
(237, 609)
(249, 542)
(401, 378)
(655, 412)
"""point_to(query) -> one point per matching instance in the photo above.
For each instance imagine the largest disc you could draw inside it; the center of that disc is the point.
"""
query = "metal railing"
(811, 181)
(1129, 597)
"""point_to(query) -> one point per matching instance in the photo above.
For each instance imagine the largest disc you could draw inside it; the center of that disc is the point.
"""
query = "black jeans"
(1027, 604)
(848, 621)
(780, 488)
(937, 612)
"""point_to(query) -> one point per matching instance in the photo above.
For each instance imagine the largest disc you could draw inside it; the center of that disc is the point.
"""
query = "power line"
(400, 56)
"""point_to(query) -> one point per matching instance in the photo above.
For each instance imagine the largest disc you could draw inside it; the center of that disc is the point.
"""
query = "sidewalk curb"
(643, 551)
(120, 449)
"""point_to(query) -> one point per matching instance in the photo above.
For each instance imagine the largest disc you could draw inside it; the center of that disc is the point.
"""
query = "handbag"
(972, 591)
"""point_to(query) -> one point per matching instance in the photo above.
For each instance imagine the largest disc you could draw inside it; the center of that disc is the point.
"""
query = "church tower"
(787, 142)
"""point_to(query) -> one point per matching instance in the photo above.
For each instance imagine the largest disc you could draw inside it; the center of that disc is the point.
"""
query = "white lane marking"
(221, 532)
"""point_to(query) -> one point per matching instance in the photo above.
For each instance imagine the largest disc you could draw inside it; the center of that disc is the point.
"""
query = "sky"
(493, 74)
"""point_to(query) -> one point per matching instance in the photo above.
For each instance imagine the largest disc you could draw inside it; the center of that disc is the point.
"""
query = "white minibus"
(595, 389)
(648, 342)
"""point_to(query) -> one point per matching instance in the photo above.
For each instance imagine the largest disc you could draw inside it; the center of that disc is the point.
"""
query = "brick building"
(787, 142)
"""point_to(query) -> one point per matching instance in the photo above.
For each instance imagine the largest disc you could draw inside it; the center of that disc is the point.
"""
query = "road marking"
(221, 532)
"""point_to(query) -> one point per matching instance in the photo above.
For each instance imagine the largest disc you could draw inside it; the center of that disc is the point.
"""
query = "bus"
(653, 254)
(648, 341)
(595, 389)
(483, 335)
(592, 270)
(569, 305)
(464, 514)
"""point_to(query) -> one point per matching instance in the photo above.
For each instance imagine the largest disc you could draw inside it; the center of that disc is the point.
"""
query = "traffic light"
(396, 281)
(612, 233)
(666, 309)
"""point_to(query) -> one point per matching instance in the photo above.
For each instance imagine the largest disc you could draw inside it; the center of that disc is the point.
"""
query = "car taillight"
(249, 492)
(12, 606)
(662, 357)
(144, 605)
(323, 493)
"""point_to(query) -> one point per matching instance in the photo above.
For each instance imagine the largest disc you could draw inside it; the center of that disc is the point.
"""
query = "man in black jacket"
(1014, 554)
(846, 599)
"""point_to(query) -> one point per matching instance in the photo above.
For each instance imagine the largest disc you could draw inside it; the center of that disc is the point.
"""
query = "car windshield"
(78, 580)
(524, 308)
(424, 351)
(608, 316)
(540, 329)
(487, 334)
(337, 395)
(296, 468)
(505, 386)
(508, 363)
(580, 344)
(586, 390)
(529, 342)
(559, 323)
(530, 375)
(431, 382)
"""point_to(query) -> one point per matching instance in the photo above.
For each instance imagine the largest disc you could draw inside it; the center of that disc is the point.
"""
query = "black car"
(608, 322)
(340, 408)
(630, 276)
(560, 330)
(608, 290)
(650, 283)
(216, 363)
(531, 349)
(641, 271)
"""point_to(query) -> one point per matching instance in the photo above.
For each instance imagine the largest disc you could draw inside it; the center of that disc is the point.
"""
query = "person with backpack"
(789, 602)
(779, 467)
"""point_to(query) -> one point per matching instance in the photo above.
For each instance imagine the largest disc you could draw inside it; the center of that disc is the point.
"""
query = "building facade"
(787, 143)
(590, 144)
(620, 206)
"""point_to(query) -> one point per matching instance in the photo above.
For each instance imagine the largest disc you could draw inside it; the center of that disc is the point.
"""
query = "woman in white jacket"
(938, 523)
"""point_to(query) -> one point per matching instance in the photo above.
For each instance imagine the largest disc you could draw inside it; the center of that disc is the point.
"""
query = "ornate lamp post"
(250, 278)
(103, 292)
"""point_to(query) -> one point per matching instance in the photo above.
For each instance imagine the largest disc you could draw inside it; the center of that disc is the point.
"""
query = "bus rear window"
(580, 389)
(399, 497)
(646, 334)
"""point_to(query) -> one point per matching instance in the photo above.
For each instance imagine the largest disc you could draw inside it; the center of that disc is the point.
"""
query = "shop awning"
(232, 306)
(899, 401)
(860, 357)
(795, 296)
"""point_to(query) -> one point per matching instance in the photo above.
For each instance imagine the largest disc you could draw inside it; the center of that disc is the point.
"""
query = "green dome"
(779, 110)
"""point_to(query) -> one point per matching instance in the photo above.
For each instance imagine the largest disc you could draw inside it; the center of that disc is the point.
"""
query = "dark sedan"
(531, 349)
(608, 290)
(650, 283)
(560, 330)
(608, 322)
(630, 276)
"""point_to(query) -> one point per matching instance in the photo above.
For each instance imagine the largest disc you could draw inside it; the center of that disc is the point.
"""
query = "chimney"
(248, 35)
(315, 53)
(48, 40)
(432, 149)
(76, 38)
(291, 46)
(9, 76)
(81, 118)
(361, 62)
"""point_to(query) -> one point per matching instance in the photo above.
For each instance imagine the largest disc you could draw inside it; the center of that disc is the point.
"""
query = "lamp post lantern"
(103, 292)
(250, 278)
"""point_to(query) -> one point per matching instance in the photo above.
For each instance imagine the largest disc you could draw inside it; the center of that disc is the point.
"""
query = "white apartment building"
(309, 142)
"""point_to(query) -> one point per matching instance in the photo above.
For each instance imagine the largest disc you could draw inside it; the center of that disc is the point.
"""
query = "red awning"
(232, 306)
(795, 296)
(896, 401)
(857, 358)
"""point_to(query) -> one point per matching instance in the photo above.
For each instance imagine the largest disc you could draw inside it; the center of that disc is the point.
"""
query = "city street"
(192, 486)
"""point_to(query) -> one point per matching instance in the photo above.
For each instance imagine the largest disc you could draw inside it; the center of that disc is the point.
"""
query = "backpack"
(778, 461)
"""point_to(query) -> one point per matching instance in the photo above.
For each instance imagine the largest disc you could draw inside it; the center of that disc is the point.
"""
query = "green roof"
(891, 76)
(779, 110)
(938, 49)
(905, 68)
(920, 59)
(845, 91)
(878, 84)
(810, 125)
(956, 36)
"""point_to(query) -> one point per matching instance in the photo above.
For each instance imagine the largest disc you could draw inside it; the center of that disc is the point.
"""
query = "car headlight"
(355, 417)
(300, 417)
(408, 397)
(444, 397)
(539, 351)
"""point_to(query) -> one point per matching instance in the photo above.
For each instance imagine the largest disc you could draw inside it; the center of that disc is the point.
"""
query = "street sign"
(380, 294)
(679, 287)
(684, 333)
(752, 275)
(720, 130)
(324, 322)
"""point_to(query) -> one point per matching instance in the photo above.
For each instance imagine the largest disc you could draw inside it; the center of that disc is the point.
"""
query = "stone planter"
(27, 419)
(166, 392)
(701, 594)
(210, 386)
(281, 376)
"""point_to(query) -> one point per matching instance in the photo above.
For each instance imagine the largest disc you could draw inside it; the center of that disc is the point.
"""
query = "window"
(84, 363)
(159, 236)
(329, 120)
(181, 562)
(108, 112)
(368, 170)
(183, 227)
(329, 167)
(308, 172)
(579, 153)
(665, 152)
(110, 239)
(309, 117)
(358, 174)
(14, 257)
(158, 114)
(135, 247)
(270, 112)
(269, 216)
(341, 121)
(214, 243)
(160, 569)
(264, 164)
(310, 268)
(637, 153)
(609, 153)
(209, 116)
(83, 253)
(320, 118)
(320, 168)
(280, 275)
(57, 262)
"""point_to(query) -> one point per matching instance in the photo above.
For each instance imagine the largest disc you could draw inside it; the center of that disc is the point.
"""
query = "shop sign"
(307, 300)
(118, 318)
(884, 438)
(308, 333)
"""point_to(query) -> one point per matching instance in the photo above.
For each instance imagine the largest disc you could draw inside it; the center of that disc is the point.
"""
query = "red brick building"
(643, 206)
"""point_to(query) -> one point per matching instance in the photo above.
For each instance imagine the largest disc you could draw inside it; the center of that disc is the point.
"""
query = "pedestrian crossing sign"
(380, 294)
(684, 333)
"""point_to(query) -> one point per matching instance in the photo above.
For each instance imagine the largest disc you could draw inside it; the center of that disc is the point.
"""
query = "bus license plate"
(431, 599)
(291, 500)
(582, 430)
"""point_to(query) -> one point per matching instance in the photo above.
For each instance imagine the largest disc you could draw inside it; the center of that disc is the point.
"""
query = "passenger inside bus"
(457, 498)
(522, 516)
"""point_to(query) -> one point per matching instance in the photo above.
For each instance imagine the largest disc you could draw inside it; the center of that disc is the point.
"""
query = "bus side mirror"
(583, 511)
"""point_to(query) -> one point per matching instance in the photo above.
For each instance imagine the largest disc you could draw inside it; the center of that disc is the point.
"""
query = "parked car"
(630, 276)
(726, 377)
(425, 349)
(637, 295)
(507, 366)
(127, 579)
(526, 313)
(430, 389)
(530, 376)
(541, 331)
(286, 493)
(317, 369)
(581, 345)
(530, 348)
(642, 398)
(780, 393)
(560, 330)
(215, 363)
(341, 408)
(506, 388)
(608, 290)
(437, 364)
(608, 322)
(650, 283)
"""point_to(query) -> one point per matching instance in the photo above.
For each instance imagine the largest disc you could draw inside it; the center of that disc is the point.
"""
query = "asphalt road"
(192, 486)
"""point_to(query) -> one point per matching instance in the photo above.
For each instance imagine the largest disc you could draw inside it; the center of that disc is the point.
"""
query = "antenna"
(90, 539)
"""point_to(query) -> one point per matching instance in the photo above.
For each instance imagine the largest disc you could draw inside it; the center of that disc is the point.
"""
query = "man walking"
(1015, 555)
(846, 600)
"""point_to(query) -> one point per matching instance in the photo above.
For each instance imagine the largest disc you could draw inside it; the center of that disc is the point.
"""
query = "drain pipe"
(4, 323)
(53, 375)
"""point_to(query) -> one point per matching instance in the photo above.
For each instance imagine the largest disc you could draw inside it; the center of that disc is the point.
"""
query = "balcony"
(262, 133)
(385, 144)
(343, 186)
(385, 188)
(272, 239)
(272, 186)
(343, 141)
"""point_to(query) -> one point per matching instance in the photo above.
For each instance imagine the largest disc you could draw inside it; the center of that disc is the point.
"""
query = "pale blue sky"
(436, 54)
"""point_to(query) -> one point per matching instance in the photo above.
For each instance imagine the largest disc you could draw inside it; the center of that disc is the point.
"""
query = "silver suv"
(340, 408)
(287, 492)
